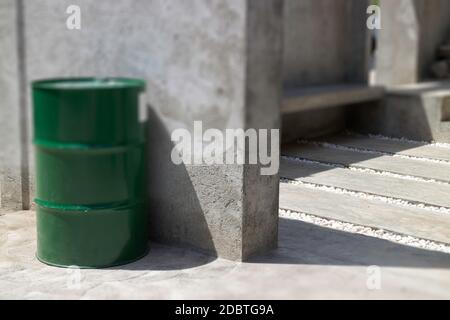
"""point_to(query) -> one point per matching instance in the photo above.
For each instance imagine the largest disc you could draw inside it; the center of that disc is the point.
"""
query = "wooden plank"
(408, 221)
(413, 191)
(418, 149)
(412, 167)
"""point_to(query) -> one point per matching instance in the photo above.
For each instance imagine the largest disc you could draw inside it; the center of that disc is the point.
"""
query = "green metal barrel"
(90, 171)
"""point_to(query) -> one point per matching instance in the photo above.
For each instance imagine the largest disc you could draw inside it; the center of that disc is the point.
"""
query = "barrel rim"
(67, 146)
(83, 208)
(103, 83)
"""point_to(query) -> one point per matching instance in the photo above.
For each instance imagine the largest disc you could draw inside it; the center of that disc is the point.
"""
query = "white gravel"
(367, 231)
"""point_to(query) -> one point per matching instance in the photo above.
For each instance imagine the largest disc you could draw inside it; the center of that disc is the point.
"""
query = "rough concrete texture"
(235, 223)
(198, 67)
(412, 31)
(10, 111)
(263, 98)
(311, 262)
(415, 111)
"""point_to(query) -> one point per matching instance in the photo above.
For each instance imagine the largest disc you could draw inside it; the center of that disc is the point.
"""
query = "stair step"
(308, 98)
(387, 163)
(413, 191)
(410, 221)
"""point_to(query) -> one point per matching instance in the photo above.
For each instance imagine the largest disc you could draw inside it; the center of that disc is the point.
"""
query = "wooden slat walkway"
(412, 149)
(371, 213)
(393, 187)
(415, 219)
(411, 167)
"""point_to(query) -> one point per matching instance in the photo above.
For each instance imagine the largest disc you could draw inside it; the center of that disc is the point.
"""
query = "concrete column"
(231, 211)
(215, 61)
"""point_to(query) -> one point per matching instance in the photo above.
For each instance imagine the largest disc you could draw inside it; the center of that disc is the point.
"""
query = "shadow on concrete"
(309, 244)
(312, 123)
(175, 212)
(165, 258)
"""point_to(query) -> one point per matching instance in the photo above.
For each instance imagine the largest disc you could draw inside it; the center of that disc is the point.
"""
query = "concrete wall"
(411, 32)
(315, 42)
(201, 60)
(325, 42)
(12, 179)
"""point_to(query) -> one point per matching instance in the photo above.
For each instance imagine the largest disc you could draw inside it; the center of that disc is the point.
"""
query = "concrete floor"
(311, 263)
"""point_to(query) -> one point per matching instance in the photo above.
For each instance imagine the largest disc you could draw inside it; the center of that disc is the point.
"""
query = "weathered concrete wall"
(411, 32)
(10, 108)
(198, 66)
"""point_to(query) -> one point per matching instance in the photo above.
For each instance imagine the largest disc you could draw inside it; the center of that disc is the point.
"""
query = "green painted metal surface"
(90, 171)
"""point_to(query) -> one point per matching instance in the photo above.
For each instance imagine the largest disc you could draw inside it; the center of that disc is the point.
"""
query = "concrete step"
(307, 98)
(391, 146)
(386, 163)
(415, 192)
(410, 221)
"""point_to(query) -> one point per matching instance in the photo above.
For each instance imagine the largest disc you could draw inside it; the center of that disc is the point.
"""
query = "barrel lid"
(88, 83)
